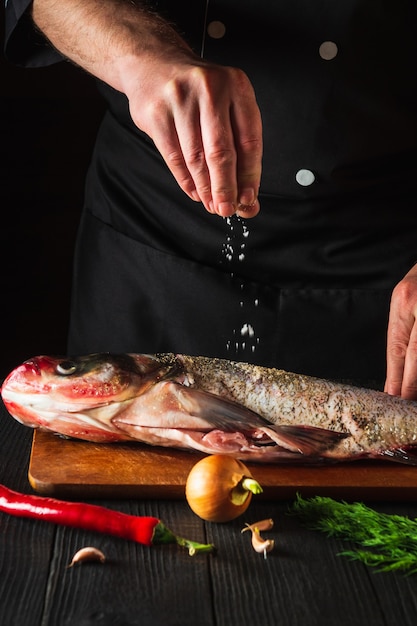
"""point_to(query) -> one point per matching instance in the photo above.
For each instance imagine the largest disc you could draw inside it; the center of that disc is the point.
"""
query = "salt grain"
(247, 329)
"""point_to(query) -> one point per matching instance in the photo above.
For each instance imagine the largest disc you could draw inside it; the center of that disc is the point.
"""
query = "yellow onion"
(219, 488)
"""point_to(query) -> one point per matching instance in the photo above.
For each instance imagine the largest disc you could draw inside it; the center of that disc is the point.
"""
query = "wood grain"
(303, 582)
(68, 468)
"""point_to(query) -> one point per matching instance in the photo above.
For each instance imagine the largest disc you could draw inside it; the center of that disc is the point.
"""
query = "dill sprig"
(390, 541)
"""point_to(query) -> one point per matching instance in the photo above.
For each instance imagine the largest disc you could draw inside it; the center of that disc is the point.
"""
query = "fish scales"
(211, 405)
(282, 397)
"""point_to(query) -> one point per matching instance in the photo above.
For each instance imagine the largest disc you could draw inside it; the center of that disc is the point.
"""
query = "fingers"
(208, 130)
(409, 383)
(401, 376)
(232, 141)
(248, 149)
(220, 157)
(397, 341)
(184, 155)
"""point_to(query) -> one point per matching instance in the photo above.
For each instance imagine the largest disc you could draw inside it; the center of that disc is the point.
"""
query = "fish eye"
(65, 368)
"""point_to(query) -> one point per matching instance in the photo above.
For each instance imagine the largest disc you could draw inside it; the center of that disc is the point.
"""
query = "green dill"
(387, 542)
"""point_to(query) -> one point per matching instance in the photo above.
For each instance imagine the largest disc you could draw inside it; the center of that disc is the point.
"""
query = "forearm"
(108, 37)
(203, 118)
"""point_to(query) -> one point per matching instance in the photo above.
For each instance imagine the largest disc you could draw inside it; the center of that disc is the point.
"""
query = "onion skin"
(219, 488)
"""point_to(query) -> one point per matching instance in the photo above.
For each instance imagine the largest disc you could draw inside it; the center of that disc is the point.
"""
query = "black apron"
(305, 285)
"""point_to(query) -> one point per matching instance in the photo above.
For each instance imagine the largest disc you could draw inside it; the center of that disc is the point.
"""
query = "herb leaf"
(391, 539)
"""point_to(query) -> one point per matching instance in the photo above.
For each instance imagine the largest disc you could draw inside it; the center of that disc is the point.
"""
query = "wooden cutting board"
(76, 469)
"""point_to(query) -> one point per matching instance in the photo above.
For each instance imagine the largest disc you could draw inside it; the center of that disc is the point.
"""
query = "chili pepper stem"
(193, 546)
(162, 534)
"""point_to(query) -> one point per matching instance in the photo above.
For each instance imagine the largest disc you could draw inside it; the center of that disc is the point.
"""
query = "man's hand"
(402, 339)
(203, 118)
(206, 124)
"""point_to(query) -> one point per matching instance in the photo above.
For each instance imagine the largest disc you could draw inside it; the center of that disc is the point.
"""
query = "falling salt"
(247, 329)
(233, 250)
(229, 251)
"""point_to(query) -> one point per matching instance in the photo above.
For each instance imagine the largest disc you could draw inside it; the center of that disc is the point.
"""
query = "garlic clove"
(259, 544)
(87, 554)
(265, 524)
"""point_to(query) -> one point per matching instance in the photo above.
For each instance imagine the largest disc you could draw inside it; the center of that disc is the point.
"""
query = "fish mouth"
(31, 366)
(23, 381)
(19, 377)
(28, 380)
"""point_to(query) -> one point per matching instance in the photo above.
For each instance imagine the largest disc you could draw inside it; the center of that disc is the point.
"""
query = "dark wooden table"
(302, 582)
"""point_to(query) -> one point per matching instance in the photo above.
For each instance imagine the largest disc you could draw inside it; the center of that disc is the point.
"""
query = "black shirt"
(306, 284)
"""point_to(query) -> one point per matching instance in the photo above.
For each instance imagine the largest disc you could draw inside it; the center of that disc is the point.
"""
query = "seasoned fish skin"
(211, 405)
(373, 419)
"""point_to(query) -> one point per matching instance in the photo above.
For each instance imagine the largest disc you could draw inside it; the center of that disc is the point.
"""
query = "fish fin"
(307, 440)
(227, 415)
(407, 455)
(222, 413)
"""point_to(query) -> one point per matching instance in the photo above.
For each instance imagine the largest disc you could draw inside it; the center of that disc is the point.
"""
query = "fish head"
(45, 389)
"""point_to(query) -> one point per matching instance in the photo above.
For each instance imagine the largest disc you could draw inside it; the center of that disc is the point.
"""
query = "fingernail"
(247, 197)
(245, 207)
(226, 209)
(242, 208)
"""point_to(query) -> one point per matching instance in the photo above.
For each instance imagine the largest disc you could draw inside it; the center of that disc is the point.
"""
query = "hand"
(205, 122)
(402, 339)
(203, 118)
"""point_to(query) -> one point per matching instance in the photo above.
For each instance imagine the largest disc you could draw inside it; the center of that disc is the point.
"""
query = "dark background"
(48, 121)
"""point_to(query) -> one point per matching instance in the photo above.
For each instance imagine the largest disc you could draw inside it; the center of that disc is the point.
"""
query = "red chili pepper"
(145, 530)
